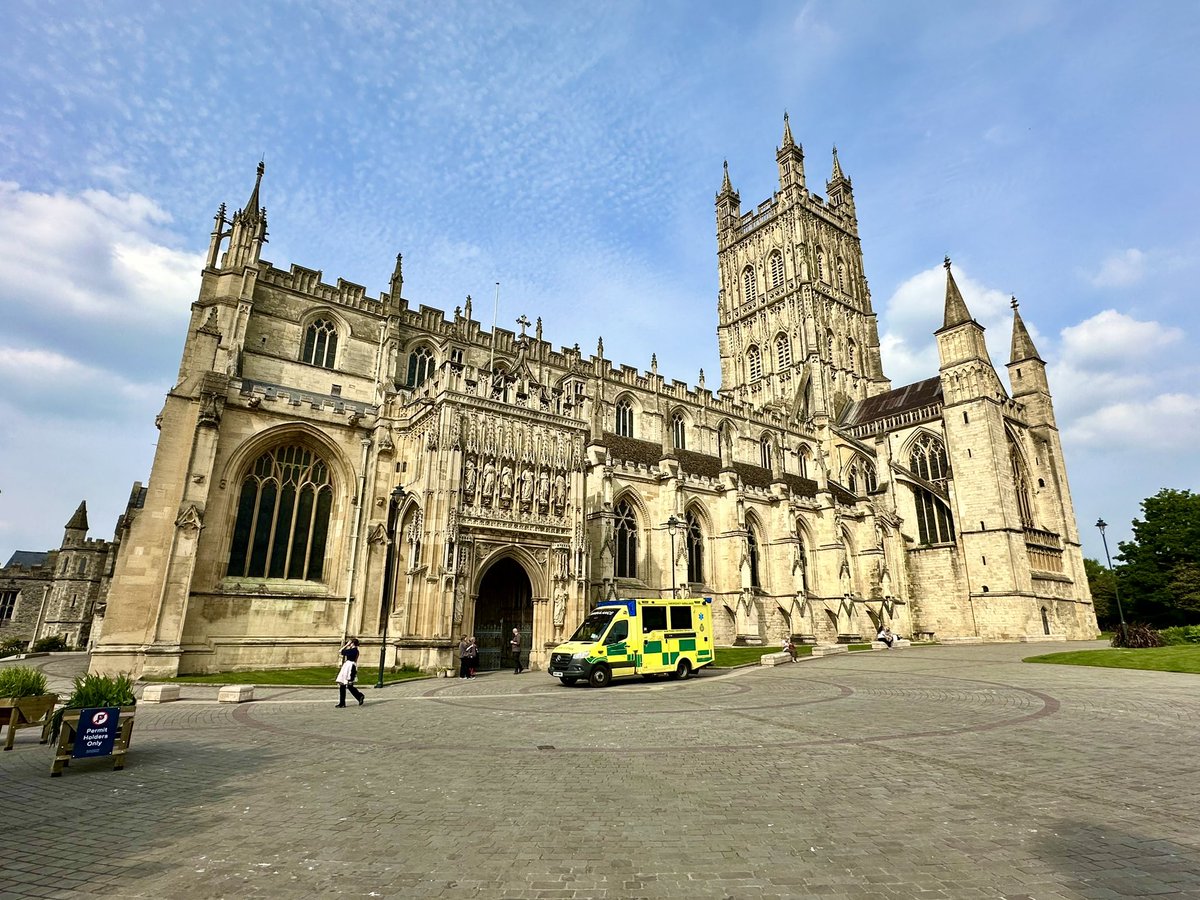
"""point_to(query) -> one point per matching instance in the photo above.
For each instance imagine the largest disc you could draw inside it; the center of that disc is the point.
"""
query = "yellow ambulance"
(658, 636)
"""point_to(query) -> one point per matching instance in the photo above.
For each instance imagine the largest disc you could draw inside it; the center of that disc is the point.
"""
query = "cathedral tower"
(795, 328)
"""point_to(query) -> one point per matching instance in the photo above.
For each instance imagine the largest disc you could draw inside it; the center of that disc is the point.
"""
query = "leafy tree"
(1103, 584)
(1160, 570)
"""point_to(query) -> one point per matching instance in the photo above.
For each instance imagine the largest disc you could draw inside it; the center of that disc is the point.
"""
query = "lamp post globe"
(385, 606)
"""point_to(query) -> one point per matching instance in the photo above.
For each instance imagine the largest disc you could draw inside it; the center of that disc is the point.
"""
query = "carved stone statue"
(526, 486)
(560, 491)
(506, 483)
(489, 481)
(543, 492)
(469, 477)
(560, 607)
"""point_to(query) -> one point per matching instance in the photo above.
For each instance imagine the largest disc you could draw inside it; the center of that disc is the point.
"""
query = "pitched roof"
(27, 559)
(894, 402)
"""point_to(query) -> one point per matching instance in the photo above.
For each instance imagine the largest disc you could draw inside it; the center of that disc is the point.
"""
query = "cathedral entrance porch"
(505, 602)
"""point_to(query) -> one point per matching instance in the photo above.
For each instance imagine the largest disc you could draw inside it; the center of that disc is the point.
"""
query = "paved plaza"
(954, 772)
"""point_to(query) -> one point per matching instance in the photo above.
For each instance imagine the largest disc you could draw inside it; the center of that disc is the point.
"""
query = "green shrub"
(1136, 637)
(22, 681)
(13, 646)
(1183, 634)
(96, 691)
(50, 644)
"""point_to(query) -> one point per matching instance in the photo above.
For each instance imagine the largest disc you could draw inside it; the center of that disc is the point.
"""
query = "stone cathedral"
(332, 463)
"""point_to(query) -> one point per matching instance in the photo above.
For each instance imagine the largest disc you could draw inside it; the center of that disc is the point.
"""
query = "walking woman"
(348, 673)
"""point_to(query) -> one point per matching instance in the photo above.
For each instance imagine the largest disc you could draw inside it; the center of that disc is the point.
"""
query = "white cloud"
(1165, 423)
(95, 255)
(1120, 269)
(1111, 338)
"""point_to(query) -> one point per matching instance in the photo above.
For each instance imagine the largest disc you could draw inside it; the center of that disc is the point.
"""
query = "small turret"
(839, 190)
(966, 369)
(249, 229)
(729, 204)
(956, 308)
(1027, 370)
(790, 157)
(76, 529)
(396, 286)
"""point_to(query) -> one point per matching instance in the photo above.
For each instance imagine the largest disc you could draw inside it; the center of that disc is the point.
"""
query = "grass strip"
(1178, 658)
(313, 676)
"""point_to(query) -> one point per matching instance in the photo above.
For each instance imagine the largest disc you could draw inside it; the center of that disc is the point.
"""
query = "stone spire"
(1022, 343)
(787, 132)
(838, 174)
(790, 158)
(726, 186)
(956, 307)
(252, 205)
(839, 188)
(79, 520)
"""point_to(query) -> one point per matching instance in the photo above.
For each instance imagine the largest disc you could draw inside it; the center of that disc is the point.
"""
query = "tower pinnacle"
(956, 307)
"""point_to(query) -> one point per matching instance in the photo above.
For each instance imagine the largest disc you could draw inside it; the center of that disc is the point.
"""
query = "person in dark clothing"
(514, 644)
(348, 673)
(463, 660)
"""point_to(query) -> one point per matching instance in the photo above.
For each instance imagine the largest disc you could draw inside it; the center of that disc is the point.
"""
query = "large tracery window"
(420, 366)
(749, 288)
(695, 549)
(935, 525)
(627, 541)
(776, 269)
(625, 418)
(928, 459)
(320, 343)
(783, 351)
(283, 517)
(754, 363)
(764, 451)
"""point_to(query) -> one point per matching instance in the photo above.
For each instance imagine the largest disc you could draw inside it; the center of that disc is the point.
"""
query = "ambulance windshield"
(594, 625)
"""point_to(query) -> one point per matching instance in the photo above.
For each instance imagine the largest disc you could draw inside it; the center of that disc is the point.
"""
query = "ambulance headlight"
(582, 654)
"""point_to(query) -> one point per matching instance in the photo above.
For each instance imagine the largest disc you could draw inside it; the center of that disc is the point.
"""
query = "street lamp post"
(1101, 524)
(672, 527)
(394, 500)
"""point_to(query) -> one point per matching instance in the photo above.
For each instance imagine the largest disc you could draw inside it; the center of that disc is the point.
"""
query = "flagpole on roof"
(495, 319)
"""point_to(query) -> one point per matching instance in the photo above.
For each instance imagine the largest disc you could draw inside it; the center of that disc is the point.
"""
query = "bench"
(775, 659)
(160, 693)
(897, 644)
(235, 693)
(829, 649)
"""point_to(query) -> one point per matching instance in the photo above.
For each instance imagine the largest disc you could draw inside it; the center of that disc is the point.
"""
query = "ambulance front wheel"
(682, 670)
(601, 676)
(568, 680)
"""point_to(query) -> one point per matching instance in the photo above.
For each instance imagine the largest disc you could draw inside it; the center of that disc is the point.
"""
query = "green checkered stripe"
(670, 657)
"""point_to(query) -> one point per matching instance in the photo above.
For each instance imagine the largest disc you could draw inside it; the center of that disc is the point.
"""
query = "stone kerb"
(235, 693)
(774, 659)
(160, 693)
(829, 649)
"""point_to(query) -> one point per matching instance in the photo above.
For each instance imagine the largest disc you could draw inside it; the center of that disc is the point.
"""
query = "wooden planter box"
(66, 739)
(25, 712)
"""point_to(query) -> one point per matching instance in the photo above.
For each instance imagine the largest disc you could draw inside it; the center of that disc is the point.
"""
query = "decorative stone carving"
(189, 519)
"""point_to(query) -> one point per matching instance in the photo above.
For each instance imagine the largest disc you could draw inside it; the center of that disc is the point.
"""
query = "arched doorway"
(505, 601)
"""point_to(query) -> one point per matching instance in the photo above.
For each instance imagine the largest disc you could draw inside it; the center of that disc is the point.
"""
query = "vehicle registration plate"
(556, 674)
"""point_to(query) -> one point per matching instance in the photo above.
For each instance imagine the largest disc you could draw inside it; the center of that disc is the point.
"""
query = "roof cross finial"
(1014, 304)
(946, 264)
(524, 323)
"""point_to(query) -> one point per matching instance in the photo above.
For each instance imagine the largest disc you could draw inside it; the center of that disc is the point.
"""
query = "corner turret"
(966, 368)
(1027, 373)
(790, 157)
(249, 229)
(839, 190)
(729, 207)
(76, 529)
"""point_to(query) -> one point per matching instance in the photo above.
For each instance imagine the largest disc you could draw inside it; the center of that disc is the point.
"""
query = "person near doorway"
(514, 643)
(348, 673)
(472, 656)
(463, 643)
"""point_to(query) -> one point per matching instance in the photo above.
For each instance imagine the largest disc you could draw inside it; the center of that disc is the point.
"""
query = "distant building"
(807, 496)
(59, 593)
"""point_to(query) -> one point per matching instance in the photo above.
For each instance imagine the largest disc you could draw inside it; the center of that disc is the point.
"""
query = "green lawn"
(729, 657)
(1179, 658)
(313, 676)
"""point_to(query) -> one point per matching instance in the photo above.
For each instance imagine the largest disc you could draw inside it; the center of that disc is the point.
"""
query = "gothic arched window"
(822, 270)
(679, 431)
(935, 525)
(869, 478)
(852, 479)
(1021, 483)
(752, 553)
(805, 455)
(783, 351)
(282, 517)
(626, 540)
(749, 288)
(776, 269)
(320, 343)
(624, 418)
(850, 355)
(841, 275)
(754, 363)
(420, 366)
(695, 549)
(764, 451)
(928, 459)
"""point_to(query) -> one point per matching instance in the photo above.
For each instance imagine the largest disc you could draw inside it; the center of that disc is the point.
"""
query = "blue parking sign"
(97, 732)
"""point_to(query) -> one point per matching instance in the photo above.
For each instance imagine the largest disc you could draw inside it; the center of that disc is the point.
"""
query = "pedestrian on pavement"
(348, 673)
(515, 643)
(463, 643)
(472, 656)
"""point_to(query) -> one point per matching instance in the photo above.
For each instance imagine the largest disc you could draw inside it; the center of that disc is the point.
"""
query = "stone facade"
(60, 593)
(806, 496)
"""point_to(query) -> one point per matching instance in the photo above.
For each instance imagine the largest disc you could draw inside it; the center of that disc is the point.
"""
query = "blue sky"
(571, 151)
